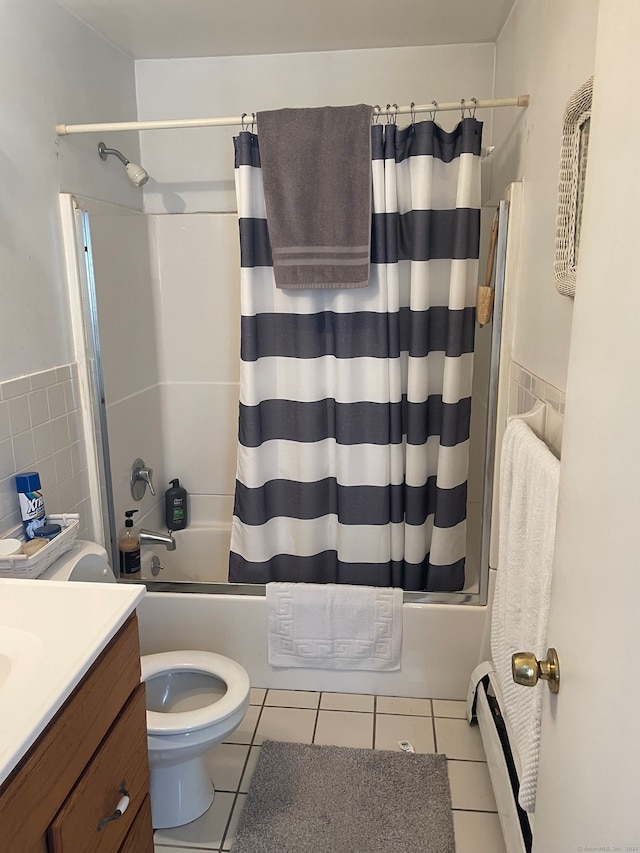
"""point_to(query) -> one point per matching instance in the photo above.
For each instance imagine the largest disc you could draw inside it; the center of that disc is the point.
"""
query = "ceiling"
(157, 29)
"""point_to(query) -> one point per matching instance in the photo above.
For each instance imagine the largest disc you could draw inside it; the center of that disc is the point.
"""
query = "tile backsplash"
(41, 430)
(525, 390)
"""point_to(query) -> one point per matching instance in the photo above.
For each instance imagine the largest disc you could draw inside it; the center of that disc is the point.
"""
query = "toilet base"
(180, 793)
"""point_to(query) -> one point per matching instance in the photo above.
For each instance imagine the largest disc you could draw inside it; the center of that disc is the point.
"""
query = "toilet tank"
(84, 561)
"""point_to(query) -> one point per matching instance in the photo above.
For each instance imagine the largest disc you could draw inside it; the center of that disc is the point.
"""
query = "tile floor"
(343, 719)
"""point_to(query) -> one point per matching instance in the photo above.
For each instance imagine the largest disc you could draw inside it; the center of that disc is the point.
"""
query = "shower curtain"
(355, 404)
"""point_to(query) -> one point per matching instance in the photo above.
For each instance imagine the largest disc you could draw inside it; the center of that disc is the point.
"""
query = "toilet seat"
(231, 673)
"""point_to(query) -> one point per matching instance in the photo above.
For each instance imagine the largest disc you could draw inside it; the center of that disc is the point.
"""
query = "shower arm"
(104, 152)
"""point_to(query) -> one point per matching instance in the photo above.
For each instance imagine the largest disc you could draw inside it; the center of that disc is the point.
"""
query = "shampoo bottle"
(175, 507)
(129, 546)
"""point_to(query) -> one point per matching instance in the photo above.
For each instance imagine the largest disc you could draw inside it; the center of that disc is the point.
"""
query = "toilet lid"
(231, 673)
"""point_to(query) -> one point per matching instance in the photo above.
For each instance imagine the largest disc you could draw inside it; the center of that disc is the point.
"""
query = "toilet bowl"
(195, 699)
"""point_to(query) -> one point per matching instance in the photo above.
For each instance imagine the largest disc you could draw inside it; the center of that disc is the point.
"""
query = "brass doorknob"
(526, 669)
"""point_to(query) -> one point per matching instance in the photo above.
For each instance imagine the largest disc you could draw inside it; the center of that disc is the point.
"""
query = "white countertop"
(50, 634)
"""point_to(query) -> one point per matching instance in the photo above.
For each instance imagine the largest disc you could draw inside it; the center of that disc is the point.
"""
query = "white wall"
(52, 69)
(546, 49)
(193, 169)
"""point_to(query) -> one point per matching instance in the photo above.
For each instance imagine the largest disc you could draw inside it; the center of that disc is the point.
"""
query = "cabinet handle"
(123, 805)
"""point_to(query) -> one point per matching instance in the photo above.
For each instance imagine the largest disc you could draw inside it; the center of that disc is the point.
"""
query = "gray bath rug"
(330, 799)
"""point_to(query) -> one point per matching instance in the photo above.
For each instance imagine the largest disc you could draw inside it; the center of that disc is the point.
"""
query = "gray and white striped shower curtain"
(355, 404)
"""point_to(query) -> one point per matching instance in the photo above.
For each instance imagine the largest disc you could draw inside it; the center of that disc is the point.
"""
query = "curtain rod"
(230, 121)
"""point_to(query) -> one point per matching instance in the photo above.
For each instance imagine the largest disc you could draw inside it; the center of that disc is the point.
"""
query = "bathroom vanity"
(73, 732)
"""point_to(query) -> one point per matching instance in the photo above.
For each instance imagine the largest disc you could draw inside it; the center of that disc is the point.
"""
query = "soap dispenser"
(129, 546)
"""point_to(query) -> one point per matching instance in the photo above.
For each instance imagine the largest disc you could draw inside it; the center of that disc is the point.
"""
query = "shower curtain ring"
(412, 107)
(432, 112)
(243, 126)
(253, 122)
(395, 114)
(474, 101)
(376, 111)
(462, 107)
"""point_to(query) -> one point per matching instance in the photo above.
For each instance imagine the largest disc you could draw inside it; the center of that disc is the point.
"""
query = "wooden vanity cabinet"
(71, 777)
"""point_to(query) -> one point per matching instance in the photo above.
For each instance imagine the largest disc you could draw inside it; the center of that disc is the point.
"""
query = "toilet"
(195, 699)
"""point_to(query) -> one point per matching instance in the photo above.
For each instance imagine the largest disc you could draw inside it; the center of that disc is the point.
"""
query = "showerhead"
(136, 174)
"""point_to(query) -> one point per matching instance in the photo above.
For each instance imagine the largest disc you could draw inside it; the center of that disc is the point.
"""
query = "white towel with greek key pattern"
(529, 475)
(334, 626)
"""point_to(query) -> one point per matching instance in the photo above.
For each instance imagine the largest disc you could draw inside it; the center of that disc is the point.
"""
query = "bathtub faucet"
(153, 538)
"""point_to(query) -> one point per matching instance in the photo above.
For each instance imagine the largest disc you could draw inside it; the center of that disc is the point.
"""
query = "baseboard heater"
(483, 707)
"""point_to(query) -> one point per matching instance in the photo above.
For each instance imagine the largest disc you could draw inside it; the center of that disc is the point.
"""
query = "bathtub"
(442, 642)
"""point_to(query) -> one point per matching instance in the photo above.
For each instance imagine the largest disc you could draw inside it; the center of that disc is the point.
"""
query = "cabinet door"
(140, 837)
(121, 760)
(52, 766)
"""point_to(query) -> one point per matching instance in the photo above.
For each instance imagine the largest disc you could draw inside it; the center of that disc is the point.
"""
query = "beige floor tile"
(457, 739)
(449, 708)
(476, 832)
(390, 728)
(225, 762)
(245, 731)
(254, 755)
(345, 728)
(257, 695)
(162, 848)
(471, 788)
(233, 823)
(292, 699)
(402, 705)
(294, 725)
(206, 833)
(346, 702)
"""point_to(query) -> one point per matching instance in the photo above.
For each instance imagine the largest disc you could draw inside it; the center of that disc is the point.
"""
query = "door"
(589, 780)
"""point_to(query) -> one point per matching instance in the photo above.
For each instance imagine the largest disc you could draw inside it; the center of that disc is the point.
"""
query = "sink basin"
(19, 653)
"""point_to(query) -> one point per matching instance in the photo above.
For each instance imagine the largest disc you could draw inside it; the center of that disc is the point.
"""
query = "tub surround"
(50, 635)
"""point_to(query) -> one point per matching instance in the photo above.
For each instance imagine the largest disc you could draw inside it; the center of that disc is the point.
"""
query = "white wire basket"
(20, 566)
